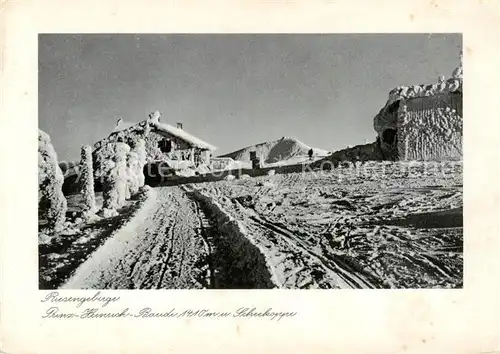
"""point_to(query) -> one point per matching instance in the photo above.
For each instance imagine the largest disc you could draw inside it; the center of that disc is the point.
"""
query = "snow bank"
(239, 249)
(51, 200)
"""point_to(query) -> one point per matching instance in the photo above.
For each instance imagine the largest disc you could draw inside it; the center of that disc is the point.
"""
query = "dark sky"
(232, 90)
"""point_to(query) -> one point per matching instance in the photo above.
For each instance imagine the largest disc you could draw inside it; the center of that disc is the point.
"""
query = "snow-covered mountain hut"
(163, 142)
(423, 122)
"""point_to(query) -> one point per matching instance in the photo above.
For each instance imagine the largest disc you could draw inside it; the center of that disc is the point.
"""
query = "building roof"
(123, 126)
(167, 129)
(182, 135)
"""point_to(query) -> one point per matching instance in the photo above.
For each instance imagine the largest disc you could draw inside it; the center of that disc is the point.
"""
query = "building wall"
(430, 128)
(206, 156)
(180, 147)
(221, 163)
(435, 109)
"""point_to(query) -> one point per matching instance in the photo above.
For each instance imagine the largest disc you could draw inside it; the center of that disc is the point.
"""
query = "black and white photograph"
(250, 161)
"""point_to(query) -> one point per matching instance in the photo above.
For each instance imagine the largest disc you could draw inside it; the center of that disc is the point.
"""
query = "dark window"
(393, 107)
(389, 136)
(165, 145)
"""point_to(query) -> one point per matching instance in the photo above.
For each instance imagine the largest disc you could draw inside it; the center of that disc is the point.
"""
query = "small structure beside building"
(423, 122)
(256, 163)
(223, 163)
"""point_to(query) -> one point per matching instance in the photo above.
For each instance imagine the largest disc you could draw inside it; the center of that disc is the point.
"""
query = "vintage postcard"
(218, 179)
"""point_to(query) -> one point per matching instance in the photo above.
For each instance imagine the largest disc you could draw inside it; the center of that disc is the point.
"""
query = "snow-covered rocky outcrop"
(365, 152)
(51, 201)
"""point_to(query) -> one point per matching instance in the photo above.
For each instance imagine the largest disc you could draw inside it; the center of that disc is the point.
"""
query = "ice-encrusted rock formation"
(51, 201)
(423, 122)
(87, 180)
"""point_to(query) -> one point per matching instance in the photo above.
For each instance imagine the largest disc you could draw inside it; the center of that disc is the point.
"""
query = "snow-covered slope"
(276, 151)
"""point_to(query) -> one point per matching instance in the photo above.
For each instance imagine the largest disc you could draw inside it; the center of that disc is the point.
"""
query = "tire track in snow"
(207, 244)
(165, 261)
(347, 274)
(334, 264)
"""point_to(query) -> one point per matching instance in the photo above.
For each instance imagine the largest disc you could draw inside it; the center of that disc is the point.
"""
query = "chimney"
(155, 116)
(179, 125)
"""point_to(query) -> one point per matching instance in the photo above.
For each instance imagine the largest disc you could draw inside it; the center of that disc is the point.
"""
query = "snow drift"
(277, 151)
(237, 250)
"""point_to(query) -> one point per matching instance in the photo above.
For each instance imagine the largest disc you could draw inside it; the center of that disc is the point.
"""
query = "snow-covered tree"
(140, 149)
(105, 163)
(119, 172)
(114, 172)
(103, 158)
(136, 159)
(51, 199)
(132, 178)
(87, 180)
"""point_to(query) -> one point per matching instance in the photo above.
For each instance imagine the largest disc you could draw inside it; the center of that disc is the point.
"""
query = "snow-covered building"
(163, 142)
(423, 122)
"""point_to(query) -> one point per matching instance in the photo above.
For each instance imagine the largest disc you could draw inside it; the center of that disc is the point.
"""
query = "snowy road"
(162, 247)
(174, 242)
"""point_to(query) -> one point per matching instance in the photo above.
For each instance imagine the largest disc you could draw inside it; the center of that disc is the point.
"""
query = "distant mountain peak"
(278, 150)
